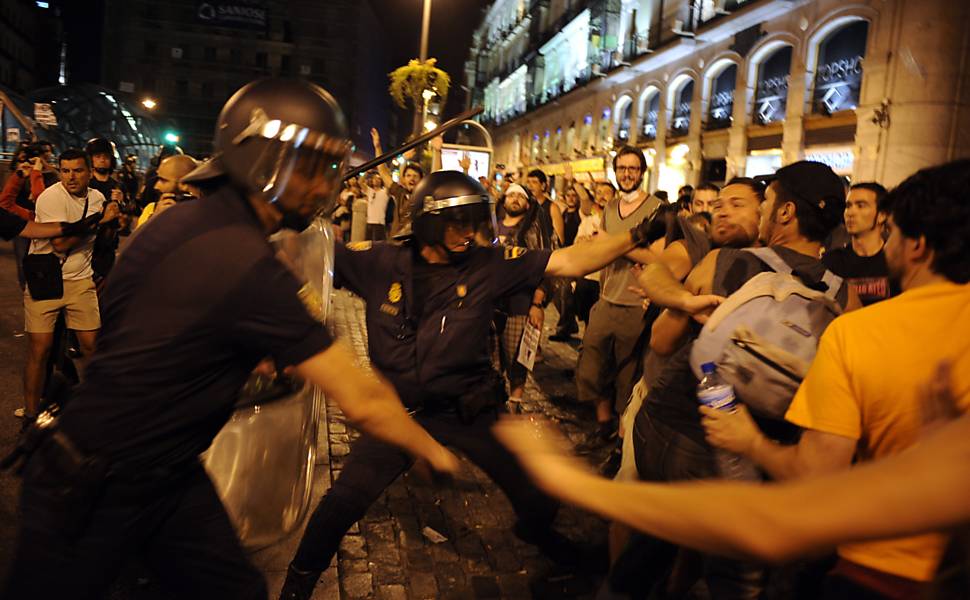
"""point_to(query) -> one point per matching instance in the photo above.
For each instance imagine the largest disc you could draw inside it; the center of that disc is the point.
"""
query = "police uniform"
(196, 301)
(428, 333)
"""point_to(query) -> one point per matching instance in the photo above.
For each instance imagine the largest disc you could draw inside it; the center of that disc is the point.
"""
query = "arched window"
(721, 104)
(771, 95)
(622, 115)
(680, 116)
(649, 113)
(586, 134)
(838, 77)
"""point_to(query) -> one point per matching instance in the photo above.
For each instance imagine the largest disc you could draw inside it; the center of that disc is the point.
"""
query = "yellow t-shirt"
(146, 214)
(865, 382)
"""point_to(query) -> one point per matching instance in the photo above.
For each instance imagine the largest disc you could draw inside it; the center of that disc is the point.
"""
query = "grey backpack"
(764, 336)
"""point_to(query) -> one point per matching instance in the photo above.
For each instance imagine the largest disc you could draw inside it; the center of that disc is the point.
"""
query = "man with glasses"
(616, 320)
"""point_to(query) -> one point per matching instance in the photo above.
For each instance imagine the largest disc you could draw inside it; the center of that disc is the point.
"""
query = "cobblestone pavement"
(386, 556)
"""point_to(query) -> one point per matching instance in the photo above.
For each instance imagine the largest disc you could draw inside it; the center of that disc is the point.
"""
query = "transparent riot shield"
(262, 460)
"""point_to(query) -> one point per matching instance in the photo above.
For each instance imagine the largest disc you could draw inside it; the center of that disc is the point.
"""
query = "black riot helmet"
(285, 140)
(100, 145)
(446, 199)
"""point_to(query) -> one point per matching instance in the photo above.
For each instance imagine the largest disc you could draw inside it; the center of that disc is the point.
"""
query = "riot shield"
(262, 461)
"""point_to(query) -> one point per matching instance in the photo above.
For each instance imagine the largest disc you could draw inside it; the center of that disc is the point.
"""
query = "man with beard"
(860, 399)
(863, 262)
(616, 320)
(399, 193)
(538, 183)
(800, 208)
(430, 303)
(519, 227)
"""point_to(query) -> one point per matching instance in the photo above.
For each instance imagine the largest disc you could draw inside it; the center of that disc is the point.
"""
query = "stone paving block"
(357, 585)
(392, 592)
(422, 585)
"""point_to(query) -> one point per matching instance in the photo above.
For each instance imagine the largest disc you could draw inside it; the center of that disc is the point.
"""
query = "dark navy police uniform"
(428, 333)
(194, 303)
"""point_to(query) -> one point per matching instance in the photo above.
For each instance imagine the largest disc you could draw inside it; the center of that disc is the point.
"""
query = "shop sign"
(249, 14)
(44, 114)
(579, 166)
(839, 159)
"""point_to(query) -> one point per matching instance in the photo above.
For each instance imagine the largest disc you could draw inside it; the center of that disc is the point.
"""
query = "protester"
(859, 401)
(703, 197)
(863, 262)
(169, 186)
(377, 201)
(607, 368)
(572, 218)
(538, 184)
(399, 194)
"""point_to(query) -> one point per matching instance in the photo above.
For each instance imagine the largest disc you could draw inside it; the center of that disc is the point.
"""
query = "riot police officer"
(429, 306)
(197, 300)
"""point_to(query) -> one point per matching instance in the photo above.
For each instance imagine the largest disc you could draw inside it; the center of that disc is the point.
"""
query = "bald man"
(170, 187)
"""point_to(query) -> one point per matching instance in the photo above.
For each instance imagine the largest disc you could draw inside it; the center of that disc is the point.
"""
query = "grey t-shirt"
(616, 278)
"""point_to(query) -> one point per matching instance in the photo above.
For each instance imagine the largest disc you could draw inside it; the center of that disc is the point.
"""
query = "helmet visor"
(470, 224)
(298, 169)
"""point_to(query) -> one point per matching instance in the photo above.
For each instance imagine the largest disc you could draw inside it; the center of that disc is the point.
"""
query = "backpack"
(763, 338)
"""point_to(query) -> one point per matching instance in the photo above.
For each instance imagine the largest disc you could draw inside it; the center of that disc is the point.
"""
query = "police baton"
(383, 158)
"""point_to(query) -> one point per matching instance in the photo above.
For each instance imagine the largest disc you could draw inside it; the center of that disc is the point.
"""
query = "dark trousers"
(664, 454)
(566, 305)
(376, 232)
(373, 465)
(180, 530)
(586, 294)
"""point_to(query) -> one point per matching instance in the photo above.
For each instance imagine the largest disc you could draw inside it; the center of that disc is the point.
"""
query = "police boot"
(299, 584)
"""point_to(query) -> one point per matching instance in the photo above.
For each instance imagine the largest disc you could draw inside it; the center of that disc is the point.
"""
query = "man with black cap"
(117, 473)
(803, 203)
(430, 303)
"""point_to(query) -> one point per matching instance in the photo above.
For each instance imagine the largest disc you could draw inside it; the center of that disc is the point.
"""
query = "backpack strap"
(772, 259)
(834, 283)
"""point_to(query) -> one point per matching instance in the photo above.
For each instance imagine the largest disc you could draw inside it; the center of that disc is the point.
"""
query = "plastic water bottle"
(714, 392)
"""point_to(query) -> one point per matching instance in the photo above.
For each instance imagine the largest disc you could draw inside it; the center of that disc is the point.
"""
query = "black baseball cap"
(814, 183)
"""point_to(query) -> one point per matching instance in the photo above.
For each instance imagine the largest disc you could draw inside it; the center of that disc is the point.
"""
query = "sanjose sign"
(241, 13)
(839, 159)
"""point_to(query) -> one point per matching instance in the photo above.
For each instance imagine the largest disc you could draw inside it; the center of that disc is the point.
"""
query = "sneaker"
(19, 412)
(602, 436)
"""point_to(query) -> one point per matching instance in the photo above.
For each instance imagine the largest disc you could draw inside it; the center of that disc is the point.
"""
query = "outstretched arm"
(382, 168)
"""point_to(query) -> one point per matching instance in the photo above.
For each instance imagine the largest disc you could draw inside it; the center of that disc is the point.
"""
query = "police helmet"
(446, 199)
(100, 145)
(285, 140)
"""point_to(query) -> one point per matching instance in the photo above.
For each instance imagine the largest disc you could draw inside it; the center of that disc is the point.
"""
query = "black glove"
(83, 228)
(649, 230)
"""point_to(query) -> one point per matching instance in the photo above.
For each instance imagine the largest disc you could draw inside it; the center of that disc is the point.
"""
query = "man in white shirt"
(376, 207)
(69, 200)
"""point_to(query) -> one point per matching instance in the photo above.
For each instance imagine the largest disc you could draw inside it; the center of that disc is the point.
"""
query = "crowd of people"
(825, 317)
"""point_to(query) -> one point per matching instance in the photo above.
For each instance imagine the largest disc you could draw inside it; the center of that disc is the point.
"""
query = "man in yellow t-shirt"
(170, 187)
(860, 398)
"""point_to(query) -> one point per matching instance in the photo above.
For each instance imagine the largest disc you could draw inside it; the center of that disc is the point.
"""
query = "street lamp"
(149, 103)
(425, 23)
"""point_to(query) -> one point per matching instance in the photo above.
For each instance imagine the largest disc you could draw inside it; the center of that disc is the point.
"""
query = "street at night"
(420, 299)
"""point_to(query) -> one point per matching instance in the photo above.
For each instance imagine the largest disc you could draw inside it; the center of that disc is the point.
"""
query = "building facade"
(713, 89)
(191, 56)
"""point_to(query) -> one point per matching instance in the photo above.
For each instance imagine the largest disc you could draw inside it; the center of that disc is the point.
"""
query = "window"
(209, 53)
(285, 64)
(772, 91)
(206, 89)
(260, 59)
(235, 56)
(680, 122)
(651, 114)
(838, 76)
(181, 87)
(721, 104)
(151, 48)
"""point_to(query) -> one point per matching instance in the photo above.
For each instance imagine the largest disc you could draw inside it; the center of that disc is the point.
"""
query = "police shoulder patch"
(513, 252)
(360, 246)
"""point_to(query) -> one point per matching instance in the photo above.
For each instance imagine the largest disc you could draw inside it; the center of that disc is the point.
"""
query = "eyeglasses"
(627, 169)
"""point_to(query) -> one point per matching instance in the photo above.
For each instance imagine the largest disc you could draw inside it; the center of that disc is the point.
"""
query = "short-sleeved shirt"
(864, 384)
(56, 205)
(868, 275)
(193, 304)
(10, 225)
(673, 397)
(438, 344)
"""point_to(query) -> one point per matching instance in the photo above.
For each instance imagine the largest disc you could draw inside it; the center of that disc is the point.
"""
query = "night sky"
(452, 24)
